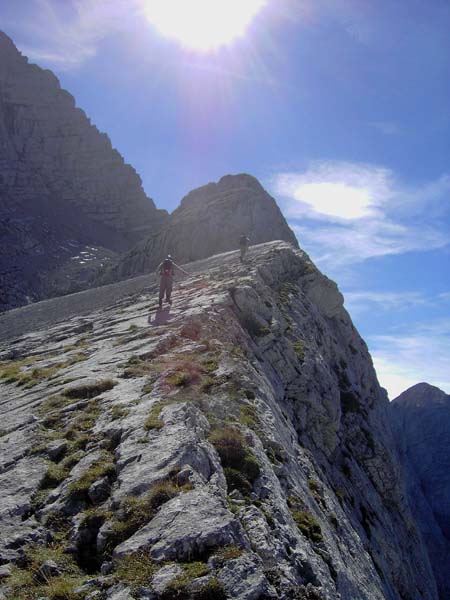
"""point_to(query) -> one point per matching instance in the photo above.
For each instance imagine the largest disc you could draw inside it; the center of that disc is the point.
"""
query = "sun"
(202, 24)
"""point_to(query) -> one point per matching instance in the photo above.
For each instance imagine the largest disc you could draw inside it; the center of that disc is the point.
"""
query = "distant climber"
(244, 243)
(166, 272)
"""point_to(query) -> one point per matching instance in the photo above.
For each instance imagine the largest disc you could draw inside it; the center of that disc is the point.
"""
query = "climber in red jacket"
(166, 272)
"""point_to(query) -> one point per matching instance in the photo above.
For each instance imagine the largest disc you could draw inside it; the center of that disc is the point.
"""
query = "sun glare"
(202, 24)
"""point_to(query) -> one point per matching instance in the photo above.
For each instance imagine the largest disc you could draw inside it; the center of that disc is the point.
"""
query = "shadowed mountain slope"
(421, 416)
(67, 199)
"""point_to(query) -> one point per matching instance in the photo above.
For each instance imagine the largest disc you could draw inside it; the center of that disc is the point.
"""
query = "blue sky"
(341, 108)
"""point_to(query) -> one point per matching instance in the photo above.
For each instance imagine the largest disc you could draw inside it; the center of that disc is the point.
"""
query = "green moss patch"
(26, 585)
(286, 291)
(103, 467)
(237, 481)
(307, 524)
(249, 417)
(139, 367)
(299, 349)
(179, 588)
(117, 411)
(54, 475)
(154, 421)
(136, 570)
(17, 371)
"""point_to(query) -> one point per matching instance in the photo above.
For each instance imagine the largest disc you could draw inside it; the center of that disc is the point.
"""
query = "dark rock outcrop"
(67, 199)
(421, 416)
(210, 220)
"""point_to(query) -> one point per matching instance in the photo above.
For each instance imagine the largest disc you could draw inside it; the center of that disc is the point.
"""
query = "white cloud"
(361, 301)
(421, 354)
(335, 190)
(355, 212)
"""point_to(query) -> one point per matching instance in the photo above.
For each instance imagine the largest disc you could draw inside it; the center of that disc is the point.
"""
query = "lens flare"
(202, 24)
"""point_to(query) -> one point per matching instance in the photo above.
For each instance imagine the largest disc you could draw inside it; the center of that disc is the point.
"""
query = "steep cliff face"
(236, 445)
(63, 188)
(209, 220)
(421, 416)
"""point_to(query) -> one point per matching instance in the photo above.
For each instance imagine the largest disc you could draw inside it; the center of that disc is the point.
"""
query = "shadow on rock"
(162, 316)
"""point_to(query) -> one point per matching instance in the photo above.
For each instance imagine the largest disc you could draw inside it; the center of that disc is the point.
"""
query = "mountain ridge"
(75, 215)
(115, 435)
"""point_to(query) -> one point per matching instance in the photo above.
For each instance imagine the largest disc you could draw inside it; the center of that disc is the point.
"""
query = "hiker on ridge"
(166, 272)
(244, 243)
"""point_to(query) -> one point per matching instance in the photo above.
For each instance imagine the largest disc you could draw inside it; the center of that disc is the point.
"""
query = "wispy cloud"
(361, 301)
(66, 34)
(333, 246)
(424, 350)
(352, 212)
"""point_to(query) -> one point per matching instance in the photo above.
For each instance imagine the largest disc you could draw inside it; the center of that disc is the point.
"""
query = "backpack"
(167, 267)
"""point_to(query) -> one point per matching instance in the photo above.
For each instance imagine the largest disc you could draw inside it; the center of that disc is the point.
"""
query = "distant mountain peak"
(226, 184)
(222, 212)
(421, 395)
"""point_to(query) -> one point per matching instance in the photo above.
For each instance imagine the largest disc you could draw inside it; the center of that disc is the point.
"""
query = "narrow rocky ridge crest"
(234, 446)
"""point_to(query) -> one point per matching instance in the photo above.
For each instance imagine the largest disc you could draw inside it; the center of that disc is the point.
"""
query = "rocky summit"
(68, 201)
(234, 445)
(421, 416)
(209, 220)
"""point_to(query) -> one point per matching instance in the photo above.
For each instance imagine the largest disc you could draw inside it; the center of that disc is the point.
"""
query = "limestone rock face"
(210, 220)
(233, 445)
(421, 416)
(66, 196)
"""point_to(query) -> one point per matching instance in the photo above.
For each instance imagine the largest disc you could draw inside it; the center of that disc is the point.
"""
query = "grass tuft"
(299, 349)
(154, 420)
(24, 585)
(240, 465)
(103, 467)
(135, 512)
(228, 553)
(90, 390)
(136, 570)
(305, 521)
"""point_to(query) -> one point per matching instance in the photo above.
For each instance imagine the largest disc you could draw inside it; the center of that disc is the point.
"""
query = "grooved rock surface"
(239, 437)
(210, 220)
(421, 416)
(67, 199)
